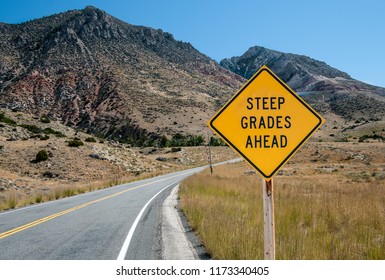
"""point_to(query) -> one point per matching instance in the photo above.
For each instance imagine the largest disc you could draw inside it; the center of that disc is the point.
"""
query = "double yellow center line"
(45, 219)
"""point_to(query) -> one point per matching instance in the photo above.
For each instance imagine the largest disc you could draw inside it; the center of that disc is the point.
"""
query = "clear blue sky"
(346, 34)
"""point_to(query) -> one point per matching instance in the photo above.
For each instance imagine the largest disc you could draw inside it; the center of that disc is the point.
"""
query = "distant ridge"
(300, 72)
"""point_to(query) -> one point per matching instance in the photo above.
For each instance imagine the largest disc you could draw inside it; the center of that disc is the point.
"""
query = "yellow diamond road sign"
(266, 122)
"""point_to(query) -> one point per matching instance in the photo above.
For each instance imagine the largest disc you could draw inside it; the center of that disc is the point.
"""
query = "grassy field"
(333, 211)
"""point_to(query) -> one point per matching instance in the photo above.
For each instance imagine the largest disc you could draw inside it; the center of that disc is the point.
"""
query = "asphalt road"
(122, 222)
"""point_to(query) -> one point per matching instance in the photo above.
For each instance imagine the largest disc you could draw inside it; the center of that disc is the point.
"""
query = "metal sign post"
(268, 219)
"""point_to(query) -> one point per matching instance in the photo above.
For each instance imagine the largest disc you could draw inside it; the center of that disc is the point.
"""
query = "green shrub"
(176, 149)
(49, 130)
(43, 137)
(41, 156)
(374, 137)
(31, 128)
(179, 140)
(6, 120)
(216, 142)
(45, 119)
(39, 198)
(163, 141)
(91, 139)
(37, 130)
(75, 143)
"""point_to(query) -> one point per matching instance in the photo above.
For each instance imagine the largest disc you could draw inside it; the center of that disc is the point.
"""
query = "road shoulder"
(179, 242)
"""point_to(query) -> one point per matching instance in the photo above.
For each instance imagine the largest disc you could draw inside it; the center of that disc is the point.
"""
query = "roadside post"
(210, 161)
(266, 123)
(208, 150)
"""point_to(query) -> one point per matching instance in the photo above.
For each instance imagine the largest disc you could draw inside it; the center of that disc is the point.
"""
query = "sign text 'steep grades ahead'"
(266, 122)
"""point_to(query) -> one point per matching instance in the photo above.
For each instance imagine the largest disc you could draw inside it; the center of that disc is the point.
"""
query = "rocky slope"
(94, 72)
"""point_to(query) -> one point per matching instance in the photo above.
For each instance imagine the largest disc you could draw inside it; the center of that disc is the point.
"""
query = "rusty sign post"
(268, 220)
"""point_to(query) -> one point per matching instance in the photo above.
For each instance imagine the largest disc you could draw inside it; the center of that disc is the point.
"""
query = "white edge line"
(126, 244)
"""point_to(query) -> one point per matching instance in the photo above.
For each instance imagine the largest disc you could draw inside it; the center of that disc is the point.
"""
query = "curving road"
(122, 222)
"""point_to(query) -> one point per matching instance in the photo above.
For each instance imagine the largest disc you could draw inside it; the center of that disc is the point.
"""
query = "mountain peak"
(95, 13)
(91, 8)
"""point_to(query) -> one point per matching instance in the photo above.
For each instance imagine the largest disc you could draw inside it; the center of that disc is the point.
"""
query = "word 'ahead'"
(266, 122)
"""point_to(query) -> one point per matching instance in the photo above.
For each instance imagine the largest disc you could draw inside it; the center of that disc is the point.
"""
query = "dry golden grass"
(13, 199)
(317, 216)
(227, 219)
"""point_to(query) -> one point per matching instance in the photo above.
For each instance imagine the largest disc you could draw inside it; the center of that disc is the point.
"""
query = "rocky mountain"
(301, 73)
(96, 73)
(352, 108)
